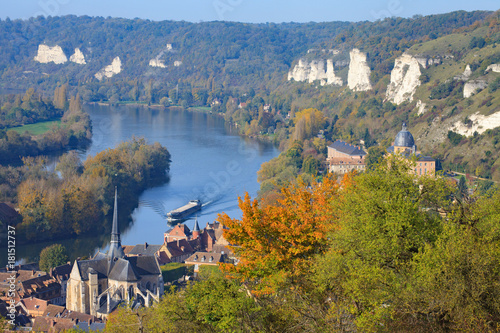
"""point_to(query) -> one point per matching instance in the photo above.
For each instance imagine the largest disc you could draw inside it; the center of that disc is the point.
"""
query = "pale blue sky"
(241, 10)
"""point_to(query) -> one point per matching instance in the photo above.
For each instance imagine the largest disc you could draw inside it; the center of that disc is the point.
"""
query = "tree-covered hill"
(241, 70)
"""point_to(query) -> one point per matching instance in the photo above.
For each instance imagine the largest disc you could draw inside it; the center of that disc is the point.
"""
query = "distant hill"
(443, 70)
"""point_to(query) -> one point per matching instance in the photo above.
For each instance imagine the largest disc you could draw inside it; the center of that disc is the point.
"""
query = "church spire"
(196, 229)
(115, 248)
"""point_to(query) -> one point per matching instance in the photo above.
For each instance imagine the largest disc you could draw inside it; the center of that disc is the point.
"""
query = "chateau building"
(344, 158)
(99, 285)
(404, 145)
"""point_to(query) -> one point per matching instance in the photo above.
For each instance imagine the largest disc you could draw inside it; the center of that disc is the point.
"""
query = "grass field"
(37, 128)
(201, 108)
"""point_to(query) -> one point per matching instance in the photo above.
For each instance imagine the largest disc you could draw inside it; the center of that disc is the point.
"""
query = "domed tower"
(404, 140)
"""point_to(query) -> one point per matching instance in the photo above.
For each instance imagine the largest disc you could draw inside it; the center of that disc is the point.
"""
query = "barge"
(184, 211)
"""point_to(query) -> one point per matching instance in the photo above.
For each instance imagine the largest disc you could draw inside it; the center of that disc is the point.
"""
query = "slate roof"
(8, 214)
(145, 265)
(145, 249)
(404, 138)
(425, 158)
(126, 269)
(123, 271)
(206, 258)
(346, 148)
(62, 272)
(113, 303)
(94, 327)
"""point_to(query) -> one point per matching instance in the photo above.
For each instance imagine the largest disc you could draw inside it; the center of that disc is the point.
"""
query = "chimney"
(178, 243)
(145, 245)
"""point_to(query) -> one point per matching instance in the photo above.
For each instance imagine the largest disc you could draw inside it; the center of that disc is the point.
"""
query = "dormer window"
(211, 259)
(195, 257)
(203, 258)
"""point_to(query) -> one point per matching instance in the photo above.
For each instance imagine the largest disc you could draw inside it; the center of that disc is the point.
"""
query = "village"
(82, 294)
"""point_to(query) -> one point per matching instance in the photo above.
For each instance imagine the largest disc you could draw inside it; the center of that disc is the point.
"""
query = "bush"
(454, 138)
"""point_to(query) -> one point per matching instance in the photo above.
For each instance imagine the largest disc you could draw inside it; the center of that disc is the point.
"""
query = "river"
(210, 162)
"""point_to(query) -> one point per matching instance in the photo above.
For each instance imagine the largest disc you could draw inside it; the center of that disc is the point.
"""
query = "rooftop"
(346, 148)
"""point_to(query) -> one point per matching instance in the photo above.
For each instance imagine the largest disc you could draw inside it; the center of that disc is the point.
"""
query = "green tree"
(374, 156)
(52, 256)
(385, 217)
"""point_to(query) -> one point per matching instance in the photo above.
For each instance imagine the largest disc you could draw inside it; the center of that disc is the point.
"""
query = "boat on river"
(184, 211)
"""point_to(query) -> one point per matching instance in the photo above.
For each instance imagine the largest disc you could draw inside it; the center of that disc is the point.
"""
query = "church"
(97, 286)
(404, 145)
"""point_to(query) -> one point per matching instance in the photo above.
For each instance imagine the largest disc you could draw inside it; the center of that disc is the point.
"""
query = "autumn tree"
(308, 122)
(276, 243)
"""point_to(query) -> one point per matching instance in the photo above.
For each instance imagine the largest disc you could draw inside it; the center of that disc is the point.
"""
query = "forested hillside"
(242, 71)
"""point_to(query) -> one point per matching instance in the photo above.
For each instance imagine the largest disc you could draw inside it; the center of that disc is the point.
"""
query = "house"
(175, 251)
(56, 311)
(180, 231)
(32, 306)
(43, 287)
(61, 275)
(52, 325)
(199, 259)
(20, 276)
(144, 250)
(97, 286)
(404, 145)
(8, 215)
(343, 158)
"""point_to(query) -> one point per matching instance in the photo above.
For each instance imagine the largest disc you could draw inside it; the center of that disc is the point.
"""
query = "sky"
(254, 11)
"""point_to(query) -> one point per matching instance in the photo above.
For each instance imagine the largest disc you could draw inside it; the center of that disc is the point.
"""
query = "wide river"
(210, 162)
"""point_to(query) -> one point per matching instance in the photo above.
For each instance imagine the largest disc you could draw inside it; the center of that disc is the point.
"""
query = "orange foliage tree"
(276, 243)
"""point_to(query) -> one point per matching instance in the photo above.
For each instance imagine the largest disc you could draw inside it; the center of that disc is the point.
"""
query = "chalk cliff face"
(480, 124)
(405, 78)
(421, 108)
(494, 68)
(47, 54)
(157, 63)
(110, 70)
(314, 71)
(474, 86)
(358, 77)
(78, 57)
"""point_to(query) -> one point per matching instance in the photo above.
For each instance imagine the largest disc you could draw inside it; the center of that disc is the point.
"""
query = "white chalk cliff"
(494, 68)
(47, 54)
(480, 124)
(157, 63)
(421, 108)
(358, 77)
(78, 57)
(474, 86)
(405, 78)
(110, 70)
(314, 71)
